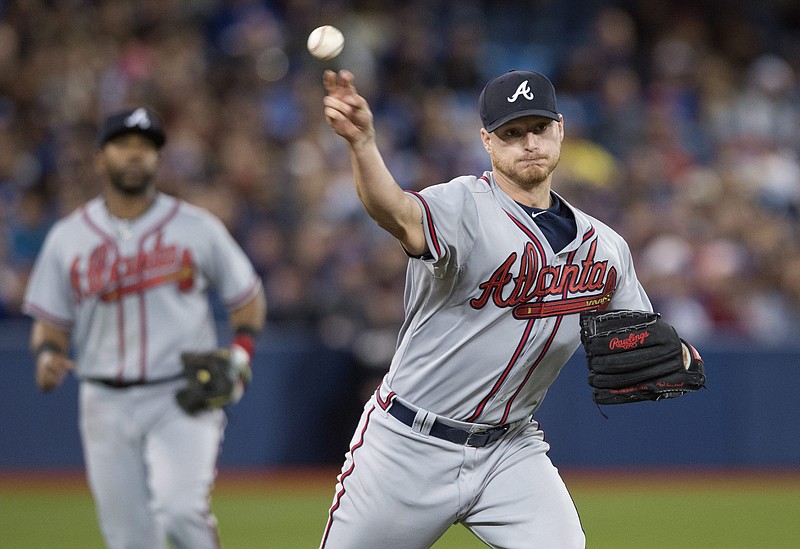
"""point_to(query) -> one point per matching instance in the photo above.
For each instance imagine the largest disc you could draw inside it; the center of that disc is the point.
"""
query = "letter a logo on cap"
(524, 90)
(138, 118)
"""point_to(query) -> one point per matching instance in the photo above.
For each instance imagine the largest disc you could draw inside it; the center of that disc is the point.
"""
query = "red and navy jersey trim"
(344, 476)
(437, 250)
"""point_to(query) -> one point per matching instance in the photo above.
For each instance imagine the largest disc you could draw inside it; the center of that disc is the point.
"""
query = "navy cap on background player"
(139, 120)
(516, 94)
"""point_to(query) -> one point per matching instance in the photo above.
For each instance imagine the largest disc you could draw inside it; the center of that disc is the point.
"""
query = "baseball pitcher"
(505, 280)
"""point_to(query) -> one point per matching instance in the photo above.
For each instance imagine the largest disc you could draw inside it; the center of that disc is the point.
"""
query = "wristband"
(246, 342)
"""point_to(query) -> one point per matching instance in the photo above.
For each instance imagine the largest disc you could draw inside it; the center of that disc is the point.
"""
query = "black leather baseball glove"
(214, 379)
(635, 356)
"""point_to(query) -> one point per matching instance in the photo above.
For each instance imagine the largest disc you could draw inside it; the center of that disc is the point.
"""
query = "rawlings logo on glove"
(635, 355)
(631, 342)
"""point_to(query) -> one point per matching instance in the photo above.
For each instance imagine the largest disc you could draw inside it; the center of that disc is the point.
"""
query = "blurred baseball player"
(500, 269)
(123, 282)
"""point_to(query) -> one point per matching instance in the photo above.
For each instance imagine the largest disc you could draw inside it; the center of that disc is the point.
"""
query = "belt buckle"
(485, 437)
(477, 439)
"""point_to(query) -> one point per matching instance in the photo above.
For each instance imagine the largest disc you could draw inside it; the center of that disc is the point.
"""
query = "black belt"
(127, 383)
(476, 439)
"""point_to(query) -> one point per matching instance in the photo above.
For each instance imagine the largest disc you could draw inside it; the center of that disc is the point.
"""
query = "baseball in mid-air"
(325, 42)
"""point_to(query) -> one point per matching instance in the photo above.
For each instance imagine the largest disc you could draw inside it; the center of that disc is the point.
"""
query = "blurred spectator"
(682, 122)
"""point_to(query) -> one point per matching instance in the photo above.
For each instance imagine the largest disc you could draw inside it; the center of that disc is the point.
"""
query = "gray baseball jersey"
(134, 294)
(491, 318)
(491, 272)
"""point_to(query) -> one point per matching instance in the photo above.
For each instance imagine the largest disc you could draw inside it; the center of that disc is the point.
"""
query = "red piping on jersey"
(499, 383)
(49, 317)
(527, 232)
(532, 368)
(431, 229)
(525, 335)
(528, 328)
(384, 404)
(109, 240)
(208, 517)
(551, 337)
(338, 499)
(245, 296)
(141, 287)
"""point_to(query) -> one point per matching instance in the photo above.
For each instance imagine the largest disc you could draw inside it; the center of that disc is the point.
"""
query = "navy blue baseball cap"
(139, 120)
(516, 94)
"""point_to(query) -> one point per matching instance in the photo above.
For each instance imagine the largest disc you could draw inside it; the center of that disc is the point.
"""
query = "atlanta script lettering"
(532, 283)
(111, 277)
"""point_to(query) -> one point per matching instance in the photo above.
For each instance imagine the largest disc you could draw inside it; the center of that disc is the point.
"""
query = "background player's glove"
(635, 355)
(214, 379)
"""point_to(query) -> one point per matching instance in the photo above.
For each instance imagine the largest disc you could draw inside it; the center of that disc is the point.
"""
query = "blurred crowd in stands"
(682, 121)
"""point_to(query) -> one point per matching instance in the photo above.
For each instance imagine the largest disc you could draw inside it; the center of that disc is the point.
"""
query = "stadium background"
(683, 132)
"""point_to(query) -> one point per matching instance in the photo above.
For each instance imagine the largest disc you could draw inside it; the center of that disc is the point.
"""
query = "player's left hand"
(214, 379)
(635, 356)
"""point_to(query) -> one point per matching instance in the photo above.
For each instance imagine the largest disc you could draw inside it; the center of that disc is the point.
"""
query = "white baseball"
(325, 42)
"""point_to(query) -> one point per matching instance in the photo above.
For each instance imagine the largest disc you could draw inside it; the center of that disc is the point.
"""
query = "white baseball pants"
(400, 489)
(150, 466)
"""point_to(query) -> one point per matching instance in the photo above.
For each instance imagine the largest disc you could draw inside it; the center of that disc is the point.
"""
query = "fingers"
(342, 100)
(334, 115)
(338, 82)
(51, 371)
(345, 110)
(329, 81)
